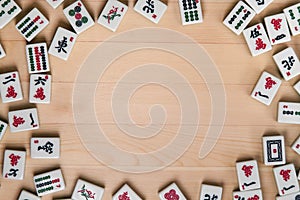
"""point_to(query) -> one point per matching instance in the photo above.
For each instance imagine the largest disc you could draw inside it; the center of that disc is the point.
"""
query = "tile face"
(277, 29)
(296, 146)
(259, 5)
(85, 190)
(151, 9)
(62, 43)
(248, 175)
(23, 120)
(239, 17)
(286, 179)
(55, 3)
(24, 195)
(125, 192)
(172, 191)
(78, 17)
(112, 14)
(3, 127)
(288, 63)
(257, 39)
(294, 196)
(14, 164)
(49, 182)
(297, 87)
(8, 11)
(210, 192)
(266, 88)
(251, 194)
(32, 24)
(190, 11)
(46, 147)
(274, 150)
(2, 52)
(292, 14)
(288, 112)
(10, 87)
(37, 58)
(40, 88)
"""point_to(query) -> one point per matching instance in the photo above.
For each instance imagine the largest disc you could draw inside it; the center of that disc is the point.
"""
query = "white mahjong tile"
(288, 63)
(296, 146)
(257, 39)
(2, 52)
(14, 164)
(171, 191)
(40, 88)
(62, 43)
(297, 87)
(78, 17)
(10, 87)
(210, 192)
(274, 150)
(112, 14)
(23, 120)
(24, 195)
(294, 196)
(292, 15)
(286, 179)
(239, 17)
(46, 147)
(3, 127)
(248, 175)
(55, 3)
(277, 28)
(151, 9)
(32, 24)
(37, 58)
(85, 190)
(190, 11)
(247, 195)
(8, 11)
(259, 5)
(49, 182)
(125, 192)
(266, 88)
(288, 112)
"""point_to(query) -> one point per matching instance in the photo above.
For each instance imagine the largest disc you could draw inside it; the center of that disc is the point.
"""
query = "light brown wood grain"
(246, 119)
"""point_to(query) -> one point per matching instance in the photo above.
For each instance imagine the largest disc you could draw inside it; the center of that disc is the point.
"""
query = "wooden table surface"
(246, 120)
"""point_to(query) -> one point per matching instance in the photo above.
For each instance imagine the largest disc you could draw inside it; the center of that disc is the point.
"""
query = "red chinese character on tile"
(276, 23)
(247, 170)
(260, 44)
(255, 197)
(285, 174)
(18, 121)
(124, 196)
(39, 94)
(171, 195)
(269, 83)
(11, 92)
(14, 159)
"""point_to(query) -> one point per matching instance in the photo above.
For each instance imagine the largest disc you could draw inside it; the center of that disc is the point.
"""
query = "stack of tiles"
(45, 147)
(288, 112)
(49, 182)
(125, 192)
(151, 9)
(274, 150)
(85, 190)
(2, 52)
(78, 17)
(190, 11)
(239, 17)
(286, 179)
(211, 192)
(112, 14)
(10, 87)
(249, 181)
(32, 24)
(266, 88)
(8, 11)
(23, 120)
(24, 195)
(172, 191)
(14, 164)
